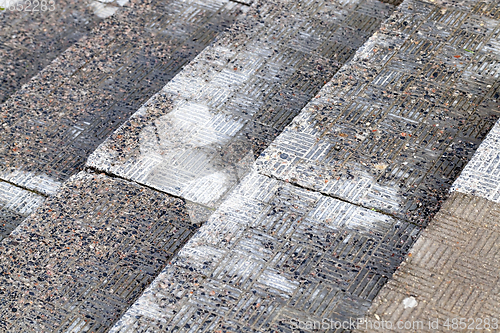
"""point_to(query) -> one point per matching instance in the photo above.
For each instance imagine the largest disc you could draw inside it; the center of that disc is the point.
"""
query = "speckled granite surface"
(395, 127)
(57, 119)
(450, 282)
(86, 254)
(274, 253)
(30, 40)
(200, 134)
(271, 253)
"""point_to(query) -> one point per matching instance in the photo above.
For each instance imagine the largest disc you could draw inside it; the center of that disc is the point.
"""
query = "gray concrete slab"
(56, 120)
(86, 254)
(406, 114)
(396, 125)
(273, 253)
(451, 278)
(199, 136)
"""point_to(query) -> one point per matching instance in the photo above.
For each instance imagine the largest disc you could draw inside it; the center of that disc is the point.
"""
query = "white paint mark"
(102, 10)
(37, 182)
(410, 302)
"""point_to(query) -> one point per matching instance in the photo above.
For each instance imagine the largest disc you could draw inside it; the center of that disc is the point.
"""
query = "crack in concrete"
(24, 188)
(240, 2)
(338, 198)
(91, 169)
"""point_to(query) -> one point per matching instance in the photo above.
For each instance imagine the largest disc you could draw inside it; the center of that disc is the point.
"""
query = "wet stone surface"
(395, 127)
(452, 272)
(86, 254)
(56, 120)
(200, 134)
(30, 40)
(15, 205)
(270, 253)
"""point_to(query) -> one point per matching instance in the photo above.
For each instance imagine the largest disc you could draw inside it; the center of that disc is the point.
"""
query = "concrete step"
(333, 206)
(450, 279)
(395, 127)
(272, 255)
(30, 40)
(15, 205)
(86, 254)
(57, 119)
(201, 133)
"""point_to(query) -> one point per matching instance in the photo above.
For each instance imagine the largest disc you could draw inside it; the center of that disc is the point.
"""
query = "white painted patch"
(18, 200)
(38, 182)
(410, 302)
(481, 176)
(102, 10)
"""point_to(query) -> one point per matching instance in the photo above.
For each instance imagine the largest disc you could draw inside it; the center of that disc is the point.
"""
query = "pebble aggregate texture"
(274, 251)
(293, 240)
(51, 125)
(270, 253)
(86, 254)
(30, 40)
(201, 133)
(396, 125)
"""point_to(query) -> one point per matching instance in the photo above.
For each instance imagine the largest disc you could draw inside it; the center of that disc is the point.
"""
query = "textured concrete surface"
(400, 121)
(30, 40)
(450, 280)
(270, 253)
(452, 272)
(86, 254)
(481, 176)
(15, 205)
(56, 120)
(200, 134)
(326, 215)
(395, 126)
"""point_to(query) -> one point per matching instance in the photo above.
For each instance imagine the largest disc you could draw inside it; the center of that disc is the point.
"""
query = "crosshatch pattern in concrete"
(217, 274)
(273, 252)
(86, 254)
(15, 205)
(395, 126)
(481, 176)
(200, 134)
(30, 40)
(452, 272)
(56, 120)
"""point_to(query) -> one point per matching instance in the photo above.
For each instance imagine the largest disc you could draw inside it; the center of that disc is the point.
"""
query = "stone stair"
(233, 166)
